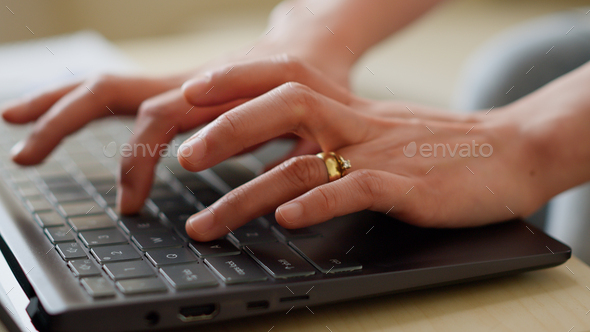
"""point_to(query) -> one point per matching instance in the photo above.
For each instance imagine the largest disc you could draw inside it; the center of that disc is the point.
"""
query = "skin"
(527, 167)
(301, 91)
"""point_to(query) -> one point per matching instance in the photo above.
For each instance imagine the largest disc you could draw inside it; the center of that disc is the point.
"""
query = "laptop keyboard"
(72, 197)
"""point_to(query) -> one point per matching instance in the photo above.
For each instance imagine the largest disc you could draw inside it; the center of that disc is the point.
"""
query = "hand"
(161, 110)
(468, 188)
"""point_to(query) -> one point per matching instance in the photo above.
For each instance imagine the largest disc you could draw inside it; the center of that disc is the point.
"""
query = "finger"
(257, 197)
(159, 119)
(302, 147)
(106, 96)
(292, 107)
(357, 191)
(232, 82)
(31, 107)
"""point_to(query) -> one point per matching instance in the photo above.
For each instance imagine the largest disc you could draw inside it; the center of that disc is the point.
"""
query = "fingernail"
(291, 212)
(197, 85)
(193, 149)
(202, 222)
(17, 148)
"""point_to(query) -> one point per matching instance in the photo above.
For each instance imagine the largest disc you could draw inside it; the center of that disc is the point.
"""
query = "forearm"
(554, 124)
(333, 34)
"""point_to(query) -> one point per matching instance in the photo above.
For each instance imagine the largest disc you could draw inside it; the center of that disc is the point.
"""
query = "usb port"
(294, 298)
(256, 305)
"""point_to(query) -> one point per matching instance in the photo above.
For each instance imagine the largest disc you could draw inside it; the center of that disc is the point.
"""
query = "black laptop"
(85, 267)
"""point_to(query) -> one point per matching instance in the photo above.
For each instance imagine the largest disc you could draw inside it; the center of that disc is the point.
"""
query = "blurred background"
(422, 63)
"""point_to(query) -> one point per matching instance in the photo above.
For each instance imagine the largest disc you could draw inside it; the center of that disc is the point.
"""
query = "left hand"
(437, 190)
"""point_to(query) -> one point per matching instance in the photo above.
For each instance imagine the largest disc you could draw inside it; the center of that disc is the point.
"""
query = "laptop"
(82, 265)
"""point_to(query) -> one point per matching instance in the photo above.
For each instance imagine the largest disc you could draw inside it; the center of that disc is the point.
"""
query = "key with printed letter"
(128, 270)
(102, 237)
(278, 260)
(169, 256)
(325, 256)
(123, 252)
(236, 269)
(60, 234)
(155, 240)
(83, 268)
(187, 276)
(219, 247)
(71, 250)
(86, 223)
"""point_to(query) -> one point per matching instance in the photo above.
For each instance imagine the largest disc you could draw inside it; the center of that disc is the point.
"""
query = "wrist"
(552, 150)
(301, 35)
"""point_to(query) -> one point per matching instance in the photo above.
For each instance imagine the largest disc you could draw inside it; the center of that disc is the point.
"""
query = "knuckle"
(328, 200)
(299, 98)
(368, 183)
(102, 83)
(235, 197)
(230, 123)
(292, 67)
(301, 171)
(152, 110)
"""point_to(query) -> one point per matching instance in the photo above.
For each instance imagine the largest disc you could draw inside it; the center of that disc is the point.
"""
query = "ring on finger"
(335, 164)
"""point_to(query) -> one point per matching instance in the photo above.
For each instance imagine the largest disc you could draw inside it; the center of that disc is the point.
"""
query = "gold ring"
(335, 164)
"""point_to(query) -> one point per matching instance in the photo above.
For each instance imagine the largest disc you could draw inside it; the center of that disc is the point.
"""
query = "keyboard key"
(82, 208)
(83, 268)
(170, 256)
(102, 237)
(193, 184)
(236, 269)
(178, 220)
(60, 234)
(174, 204)
(279, 260)
(233, 173)
(188, 276)
(141, 286)
(162, 191)
(83, 223)
(206, 196)
(50, 219)
(247, 235)
(56, 183)
(220, 247)
(123, 252)
(324, 256)
(28, 189)
(108, 200)
(38, 204)
(291, 234)
(156, 240)
(98, 287)
(140, 223)
(70, 250)
(69, 194)
(128, 270)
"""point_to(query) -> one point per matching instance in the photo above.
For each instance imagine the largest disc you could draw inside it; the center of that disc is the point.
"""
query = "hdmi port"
(198, 312)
